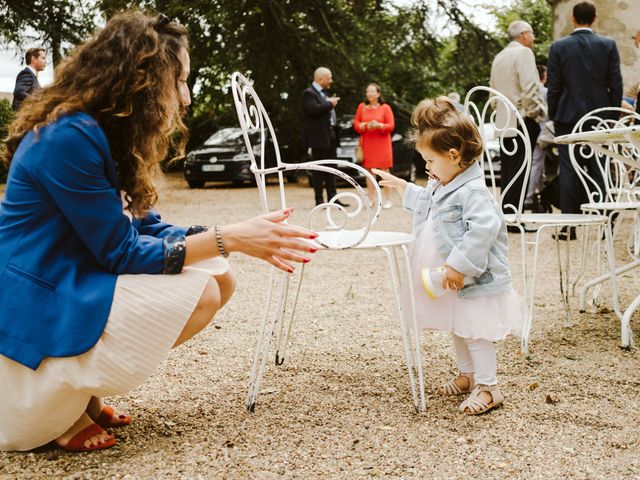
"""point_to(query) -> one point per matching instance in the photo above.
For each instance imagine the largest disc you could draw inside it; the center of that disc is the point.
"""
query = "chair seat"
(610, 206)
(556, 218)
(345, 238)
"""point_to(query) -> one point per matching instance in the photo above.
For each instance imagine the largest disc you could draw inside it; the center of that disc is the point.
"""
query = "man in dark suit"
(27, 79)
(583, 73)
(321, 130)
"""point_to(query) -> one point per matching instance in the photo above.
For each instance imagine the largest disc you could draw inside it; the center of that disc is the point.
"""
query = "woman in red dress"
(374, 122)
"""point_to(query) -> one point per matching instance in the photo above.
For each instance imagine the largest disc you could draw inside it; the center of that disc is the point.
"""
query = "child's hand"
(391, 181)
(453, 280)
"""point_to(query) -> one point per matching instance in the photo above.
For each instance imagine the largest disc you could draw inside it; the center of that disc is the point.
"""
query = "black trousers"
(509, 164)
(322, 180)
(572, 192)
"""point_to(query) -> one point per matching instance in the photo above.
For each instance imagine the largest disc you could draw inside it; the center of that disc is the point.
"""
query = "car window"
(345, 122)
(226, 135)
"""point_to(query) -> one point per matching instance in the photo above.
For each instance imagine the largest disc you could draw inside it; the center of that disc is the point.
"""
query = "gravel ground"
(340, 407)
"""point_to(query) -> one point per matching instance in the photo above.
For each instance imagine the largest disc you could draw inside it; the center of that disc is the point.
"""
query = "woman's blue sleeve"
(71, 166)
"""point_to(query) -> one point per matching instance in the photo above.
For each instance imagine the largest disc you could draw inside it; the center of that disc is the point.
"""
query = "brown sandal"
(109, 419)
(76, 444)
(475, 405)
(452, 387)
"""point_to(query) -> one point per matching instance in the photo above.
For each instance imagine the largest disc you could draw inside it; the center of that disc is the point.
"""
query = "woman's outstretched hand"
(267, 238)
(391, 181)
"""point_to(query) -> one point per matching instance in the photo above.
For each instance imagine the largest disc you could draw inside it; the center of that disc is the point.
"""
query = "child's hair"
(438, 124)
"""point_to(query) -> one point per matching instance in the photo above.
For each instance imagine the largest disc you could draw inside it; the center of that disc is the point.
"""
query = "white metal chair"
(339, 228)
(615, 197)
(483, 110)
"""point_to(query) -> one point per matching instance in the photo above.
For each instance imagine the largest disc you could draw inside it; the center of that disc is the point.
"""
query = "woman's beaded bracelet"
(221, 249)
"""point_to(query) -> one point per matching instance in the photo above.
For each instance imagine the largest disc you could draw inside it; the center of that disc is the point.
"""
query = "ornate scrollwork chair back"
(619, 185)
(340, 227)
(488, 106)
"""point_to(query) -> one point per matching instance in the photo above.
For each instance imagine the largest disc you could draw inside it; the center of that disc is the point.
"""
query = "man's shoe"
(562, 235)
(513, 229)
(342, 204)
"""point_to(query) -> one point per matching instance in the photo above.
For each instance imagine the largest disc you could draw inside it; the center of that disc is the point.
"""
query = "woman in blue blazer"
(95, 289)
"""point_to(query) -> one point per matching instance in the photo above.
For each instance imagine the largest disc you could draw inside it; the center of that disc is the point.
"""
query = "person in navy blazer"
(27, 79)
(77, 221)
(583, 73)
(321, 133)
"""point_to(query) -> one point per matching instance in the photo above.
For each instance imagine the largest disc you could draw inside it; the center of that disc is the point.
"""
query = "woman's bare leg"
(217, 292)
(94, 407)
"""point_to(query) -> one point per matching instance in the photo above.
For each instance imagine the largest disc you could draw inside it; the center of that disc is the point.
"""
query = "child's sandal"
(475, 405)
(452, 387)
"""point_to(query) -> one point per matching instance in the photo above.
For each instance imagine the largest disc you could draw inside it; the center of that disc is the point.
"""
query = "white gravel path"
(340, 407)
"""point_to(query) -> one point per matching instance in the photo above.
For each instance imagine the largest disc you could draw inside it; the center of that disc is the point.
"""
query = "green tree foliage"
(279, 43)
(412, 49)
(535, 12)
(54, 23)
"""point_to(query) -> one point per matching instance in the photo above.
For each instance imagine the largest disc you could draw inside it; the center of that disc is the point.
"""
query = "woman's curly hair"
(440, 125)
(126, 78)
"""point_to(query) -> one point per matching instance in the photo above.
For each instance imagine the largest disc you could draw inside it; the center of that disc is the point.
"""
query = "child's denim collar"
(471, 173)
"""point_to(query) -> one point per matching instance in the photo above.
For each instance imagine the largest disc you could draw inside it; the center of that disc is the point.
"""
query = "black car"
(405, 158)
(223, 157)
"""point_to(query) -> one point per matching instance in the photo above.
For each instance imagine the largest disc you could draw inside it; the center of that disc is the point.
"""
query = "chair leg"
(626, 334)
(612, 271)
(564, 278)
(407, 345)
(526, 330)
(263, 345)
(284, 334)
(583, 264)
(413, 328)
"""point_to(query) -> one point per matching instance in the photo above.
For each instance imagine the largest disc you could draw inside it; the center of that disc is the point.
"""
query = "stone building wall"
(618, 19)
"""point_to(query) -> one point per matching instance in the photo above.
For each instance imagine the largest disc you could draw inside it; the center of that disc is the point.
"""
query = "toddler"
(459, 225)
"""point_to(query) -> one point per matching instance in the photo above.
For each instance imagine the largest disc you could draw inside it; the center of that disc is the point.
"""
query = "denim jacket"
(468, 229)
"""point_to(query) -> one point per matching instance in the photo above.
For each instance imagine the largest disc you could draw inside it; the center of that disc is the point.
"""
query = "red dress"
(376, 143)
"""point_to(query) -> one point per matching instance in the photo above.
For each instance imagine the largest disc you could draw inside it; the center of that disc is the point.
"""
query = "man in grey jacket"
(515, 75)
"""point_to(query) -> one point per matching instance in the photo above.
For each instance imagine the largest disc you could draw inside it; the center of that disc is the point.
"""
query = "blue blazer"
(583, 73)
(26, 83)
(64, 239)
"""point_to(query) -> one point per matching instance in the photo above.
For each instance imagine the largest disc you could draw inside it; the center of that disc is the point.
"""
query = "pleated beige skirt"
(147, 316)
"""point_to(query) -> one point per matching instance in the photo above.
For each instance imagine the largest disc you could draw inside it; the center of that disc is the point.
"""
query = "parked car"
(405, 158)
(223, 157)
(493, 149)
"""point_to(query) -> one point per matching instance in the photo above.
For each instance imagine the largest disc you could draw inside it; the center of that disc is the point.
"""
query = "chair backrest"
(482, 105)
(354, 222)
(618, 185)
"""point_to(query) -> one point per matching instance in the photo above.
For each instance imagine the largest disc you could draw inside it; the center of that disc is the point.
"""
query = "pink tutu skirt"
(491, 317)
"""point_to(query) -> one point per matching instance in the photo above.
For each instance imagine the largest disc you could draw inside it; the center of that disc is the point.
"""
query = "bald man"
(320, 130)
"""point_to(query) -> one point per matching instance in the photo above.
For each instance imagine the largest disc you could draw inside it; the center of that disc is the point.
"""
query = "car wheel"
(195, 183)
